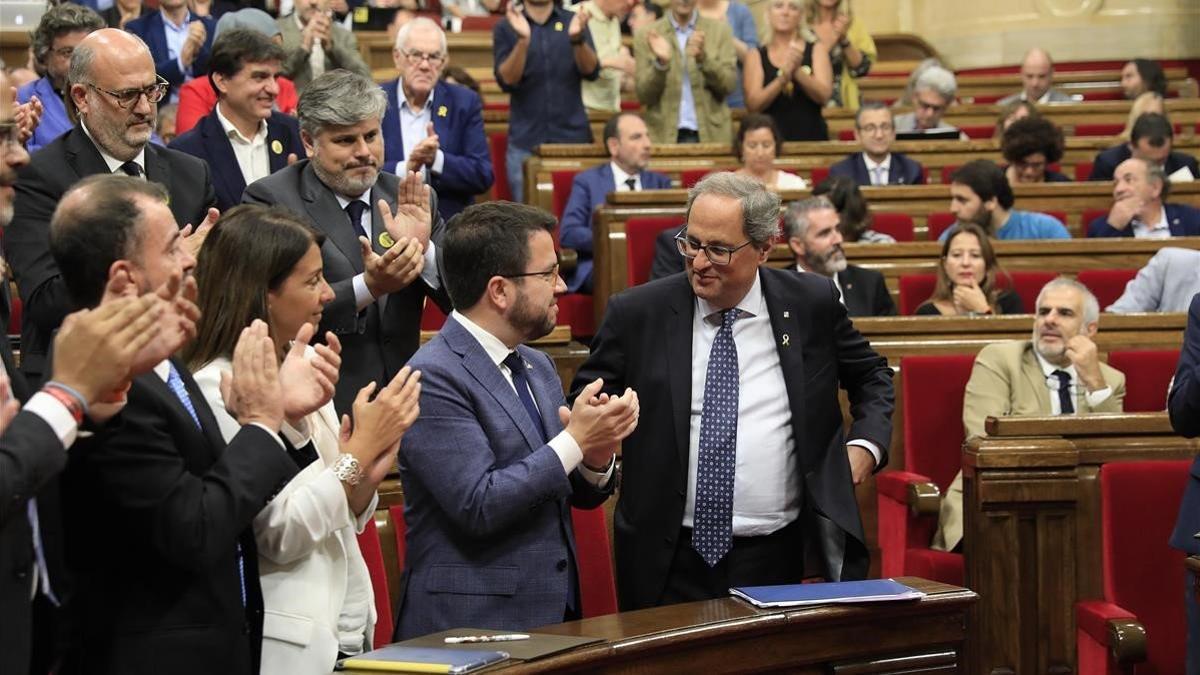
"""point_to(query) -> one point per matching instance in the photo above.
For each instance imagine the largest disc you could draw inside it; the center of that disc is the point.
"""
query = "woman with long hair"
(851, 50)
(757, 147)
(262, 265)
(790, 78)
(1146, 102)
(967, 278)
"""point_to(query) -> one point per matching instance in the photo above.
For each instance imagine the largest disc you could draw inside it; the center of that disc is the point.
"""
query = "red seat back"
(898, 225)
(932, 388)
(1142, 573)
(846, 135)
(978, 131)
(1088, 216)
(914, 290)
(399, 533)
(947, 171)
(640, 234)
(1148, 375)
(938, 223)
(819, 174)
(1060, 216)
(481, 23)
(368, 543)
(1098, 129)
(1027, 285)
(689, 177)
(1082, 171)
(432, 316)
(1106, 285)
(561, 190)
(498, 143)
(597, 582)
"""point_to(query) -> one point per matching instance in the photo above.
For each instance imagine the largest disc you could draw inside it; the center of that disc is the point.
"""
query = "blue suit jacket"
(486, 501)
(207, 140)
(1106, 162)
(1183, 404)
(902, 171)
(458, 123)
(1183, 220)
(149, 27)
(54, 122)
(588, 190)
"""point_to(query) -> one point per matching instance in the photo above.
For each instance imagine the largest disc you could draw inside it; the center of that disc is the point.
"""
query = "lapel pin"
(442, 111)
(786, 314)
(786, 340)
(385, 240)
(277, 147)
(558, 26)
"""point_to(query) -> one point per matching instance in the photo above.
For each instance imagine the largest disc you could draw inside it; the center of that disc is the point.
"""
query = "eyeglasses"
(64, 52)
(415, 58)
(871, 129)
(9, 136)
(717, 255)
(550, 276)
(127, 98)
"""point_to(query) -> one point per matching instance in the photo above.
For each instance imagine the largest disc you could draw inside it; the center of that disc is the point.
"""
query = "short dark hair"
(1153, 127)
(611, 127)
(59, 20)
(868, 106)
(854, 214)
(1032, 135)
(88, 236)
(753, 122)
(487, 240)
(986, 180)
(1152, 76)
(237, 47)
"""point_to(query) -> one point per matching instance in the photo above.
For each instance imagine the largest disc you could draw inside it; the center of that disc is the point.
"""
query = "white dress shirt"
(836, 283)
(413, 122)
(878, 171)
(1159, 229)
(1093, 398)
(619, 178)
(251, 153)
(362, 295)
(114, 164)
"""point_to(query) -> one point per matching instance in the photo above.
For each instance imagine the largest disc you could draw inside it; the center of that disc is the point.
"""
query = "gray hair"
(1091, 307)
(796, 220)
(61, 20)
(939, 80)
(402, 34)
(339, 98)
(760, 206)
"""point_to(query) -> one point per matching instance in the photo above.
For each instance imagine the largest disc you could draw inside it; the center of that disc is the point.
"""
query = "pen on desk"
(511, 637)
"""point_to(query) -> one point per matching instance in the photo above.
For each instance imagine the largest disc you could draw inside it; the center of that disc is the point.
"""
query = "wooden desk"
(925, 636)
(1031, 498)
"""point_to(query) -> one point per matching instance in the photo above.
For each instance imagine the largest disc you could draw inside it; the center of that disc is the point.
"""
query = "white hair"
(402, 34)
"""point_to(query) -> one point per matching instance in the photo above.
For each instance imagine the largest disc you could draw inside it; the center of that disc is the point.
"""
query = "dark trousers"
(1191, 603)
(687, 136)
(776, 558)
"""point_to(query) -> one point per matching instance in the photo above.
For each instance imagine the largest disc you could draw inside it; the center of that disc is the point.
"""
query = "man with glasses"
(179, 41)
(933, 92)
(741, 469)
(114, 87)
(53, 41)
(433, 127)
(495, 460)
(877, 164)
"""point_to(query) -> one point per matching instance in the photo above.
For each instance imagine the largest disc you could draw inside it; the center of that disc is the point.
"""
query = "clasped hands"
(599, 422)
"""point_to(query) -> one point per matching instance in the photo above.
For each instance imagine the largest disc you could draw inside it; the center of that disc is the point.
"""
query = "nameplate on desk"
(840, 592)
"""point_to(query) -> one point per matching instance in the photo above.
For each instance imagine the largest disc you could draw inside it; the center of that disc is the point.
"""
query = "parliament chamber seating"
(1138, 625)
(689, 177)
(1106, 285)
(1089, 215)
(498, 146)
(917, 288)
(597, 580)
(640, 237)
(372, 552)
(1148, 375)
(562, 181)
(898, 225)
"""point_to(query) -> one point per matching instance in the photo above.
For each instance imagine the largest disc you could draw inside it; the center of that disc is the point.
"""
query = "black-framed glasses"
(550, 276)
(717, 255)
(415, 58)
(127, 98)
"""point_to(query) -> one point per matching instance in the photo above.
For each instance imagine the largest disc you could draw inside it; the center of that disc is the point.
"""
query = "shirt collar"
(403, 100)
(619, 176)
(751, 304)
(231, 130)
(496, 350)
(871, 164)
(691, 24)
(1160, 224)
(163, 369)
(342, 201)
(113, 163)
(1049, 368)
(186, 20)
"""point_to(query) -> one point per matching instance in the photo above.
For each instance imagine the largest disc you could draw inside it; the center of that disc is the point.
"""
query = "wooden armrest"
(1127, 641)
(568, 259)
(924, 499)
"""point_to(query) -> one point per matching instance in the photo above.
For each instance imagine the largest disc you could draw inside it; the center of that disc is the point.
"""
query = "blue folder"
(799, 595)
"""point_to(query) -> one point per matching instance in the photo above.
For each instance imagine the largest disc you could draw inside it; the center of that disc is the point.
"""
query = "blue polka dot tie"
(712, 533)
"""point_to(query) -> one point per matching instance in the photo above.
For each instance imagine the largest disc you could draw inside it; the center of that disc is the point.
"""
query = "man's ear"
(218, 82)
(78, 94)
(797, 246)
(1089, 329)
(308, 142)
(498, 293)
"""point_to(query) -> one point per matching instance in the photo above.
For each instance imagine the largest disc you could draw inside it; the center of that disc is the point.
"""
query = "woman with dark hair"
(854, 214)
(1143, 75)
(264, 264)
(790, 78)
(757, 146)
(966, 278)
(1029, 146)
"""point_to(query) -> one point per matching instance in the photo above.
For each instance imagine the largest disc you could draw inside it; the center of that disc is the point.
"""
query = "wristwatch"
(347, 469)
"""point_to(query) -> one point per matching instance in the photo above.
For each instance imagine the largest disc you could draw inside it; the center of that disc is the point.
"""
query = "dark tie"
(712, 533)
(516, 365)
(1064, 392)
(132, 168)
(631, 182)
(354, 211)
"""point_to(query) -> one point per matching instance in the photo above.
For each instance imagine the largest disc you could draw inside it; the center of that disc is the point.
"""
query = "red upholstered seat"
(1088, 216)
(1106, 285)
(577, 311)
(1082, 171)
(914, 290)
(14, 316)
(1060, 216)
(481, 23)
(978, 131)
(846, 135)
(597, 583)
(931, 389)
(498, 144)
(372, 552)
(898, 225)
(432, 316)
(819, 174)
(1143, 576)
(561, 190)
(938, 223)
(689, 177)
(640, 234)
(399, 532)
(1148, 375)
(947, 171)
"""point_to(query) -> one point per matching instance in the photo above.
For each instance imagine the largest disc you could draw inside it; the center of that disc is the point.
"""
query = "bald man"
(114, 87)
(1037, 80)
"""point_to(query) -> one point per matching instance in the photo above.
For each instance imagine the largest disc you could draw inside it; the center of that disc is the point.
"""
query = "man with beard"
(380, 231)
(816, 241)
(980, 194)
(1058, 372)
(115, 90)
(496, 459)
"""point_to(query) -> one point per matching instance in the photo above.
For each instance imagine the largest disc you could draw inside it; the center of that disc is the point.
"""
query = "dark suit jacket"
(588, 191)
(1183, 404)
(208, 141)
(458, 123)
(645, 342)
(377, 341)
(158, 509)
(40, 185)
(901, 171)
(487, 502)
(1106, 163)
(1183, 220)
(149, 27)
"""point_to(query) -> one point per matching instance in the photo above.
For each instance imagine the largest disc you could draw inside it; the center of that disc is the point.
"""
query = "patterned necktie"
(516, 366)
(354, 211)
(1066, 405)
(131, 168)
(631, 182)
(712, 534)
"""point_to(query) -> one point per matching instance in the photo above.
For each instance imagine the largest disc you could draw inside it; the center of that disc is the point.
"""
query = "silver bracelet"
(347, 469)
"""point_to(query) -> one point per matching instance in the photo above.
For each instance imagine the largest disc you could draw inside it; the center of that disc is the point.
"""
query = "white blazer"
(317, 595)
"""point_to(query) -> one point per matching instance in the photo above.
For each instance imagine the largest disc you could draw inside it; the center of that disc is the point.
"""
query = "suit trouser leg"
(776, 558)
(1191, 589)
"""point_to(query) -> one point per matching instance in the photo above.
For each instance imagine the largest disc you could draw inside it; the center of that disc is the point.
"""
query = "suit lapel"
(82, 154)
(851, 296)
(224, 162)
(1035, 379)
(158, 169)
(680, 315)
(789, 338)
(208, 421)
(441, 101)
(277, 137)
(184, 420)
(393, 135)
(863, 176)
(325, 213)
(546, 391)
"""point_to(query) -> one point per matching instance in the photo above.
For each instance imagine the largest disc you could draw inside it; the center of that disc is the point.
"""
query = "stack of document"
(401, 659)
(800, 595)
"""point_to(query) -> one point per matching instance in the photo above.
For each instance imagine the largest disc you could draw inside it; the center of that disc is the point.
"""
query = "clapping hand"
(252, 392)
(193, 238)
(308, 382)
(95, 349)
(659, 47)
(413, 217)
(425, 152)
(194, 42)
(578, 23)
(515, 14)
(695, 45)
(599, 422)
(398, 267)
(27, 117)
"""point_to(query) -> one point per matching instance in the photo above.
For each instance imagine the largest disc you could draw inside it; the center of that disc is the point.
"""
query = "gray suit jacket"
(377, 341)
(343, 53)
(1166, 284)
(1056, 96)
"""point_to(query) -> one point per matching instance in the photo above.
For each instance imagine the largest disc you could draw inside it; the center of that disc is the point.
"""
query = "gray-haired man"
(379, 250)
(933, 92)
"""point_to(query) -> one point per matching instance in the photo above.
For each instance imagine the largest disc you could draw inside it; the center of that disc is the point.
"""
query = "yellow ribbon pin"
(442, 111)
(277, 147)
(558, 26)
(385, 240)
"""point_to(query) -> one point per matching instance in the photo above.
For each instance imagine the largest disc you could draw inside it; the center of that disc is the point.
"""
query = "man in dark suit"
(1183, 404)
(629, 146)
(243, 139)
(1150, 139)
(179, 41)
(432, 126)
(116, 99)
(495, 460)
(875, 129)
(381, 266)
(740, 468)
(1139, 208)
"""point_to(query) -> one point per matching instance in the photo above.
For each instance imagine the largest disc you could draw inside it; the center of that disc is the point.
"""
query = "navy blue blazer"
(207, 140)
(1183, 220)
(588, 190)
(1183, 405)
(149, 27)
(902, 170)
(1106, 162)
(458, 123)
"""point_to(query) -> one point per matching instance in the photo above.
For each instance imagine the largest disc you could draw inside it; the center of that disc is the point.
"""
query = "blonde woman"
(790, 78)
(1146, 102)
(831, 24)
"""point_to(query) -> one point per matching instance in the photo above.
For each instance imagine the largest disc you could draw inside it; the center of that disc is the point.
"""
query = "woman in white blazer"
(263, 263)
